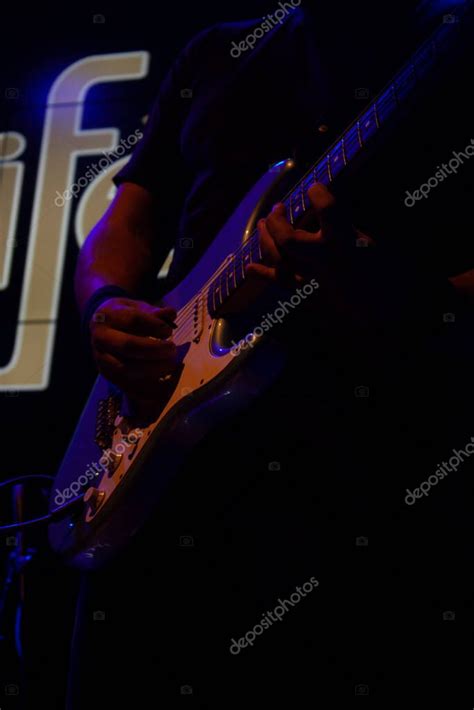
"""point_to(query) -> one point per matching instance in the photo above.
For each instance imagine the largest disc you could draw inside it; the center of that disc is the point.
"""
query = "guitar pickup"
(197, 316)
(107, 411)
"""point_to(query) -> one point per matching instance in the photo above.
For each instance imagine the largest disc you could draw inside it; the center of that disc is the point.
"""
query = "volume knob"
(113, 462)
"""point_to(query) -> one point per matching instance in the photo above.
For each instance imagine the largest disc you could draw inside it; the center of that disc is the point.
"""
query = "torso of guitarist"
(225, 112)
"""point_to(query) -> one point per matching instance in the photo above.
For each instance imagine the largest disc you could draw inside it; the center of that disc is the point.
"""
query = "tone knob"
(94, 498)
(112, 462)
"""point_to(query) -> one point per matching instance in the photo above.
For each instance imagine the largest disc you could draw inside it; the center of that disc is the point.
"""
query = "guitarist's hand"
(346, 274)
(294, 254)
(130, 346)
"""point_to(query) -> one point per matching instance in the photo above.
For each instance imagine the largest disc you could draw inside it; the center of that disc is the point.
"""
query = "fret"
(260, 255)
(297, 203)
(311, 179)
(242, 263)
(255, 253)
(306, 200)
(214, 300)
(336, 159)
(368, 127)
(359, 136)
(352, 143)
(344, 156)
(230, 276)
(321, 172)
(328, 160)
(246, 256)
(289, 209)
(239, 274)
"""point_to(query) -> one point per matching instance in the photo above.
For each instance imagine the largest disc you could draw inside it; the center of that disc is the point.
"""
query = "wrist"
(96, 300)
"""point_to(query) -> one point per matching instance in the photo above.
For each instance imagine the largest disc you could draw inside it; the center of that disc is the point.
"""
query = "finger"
(268, 248)
(111, 367)
(167, 313)
(291, 242)
(125, 345)
(260, 272)
(333, 220)
(278, 226)
(140, 319)
(138, 380)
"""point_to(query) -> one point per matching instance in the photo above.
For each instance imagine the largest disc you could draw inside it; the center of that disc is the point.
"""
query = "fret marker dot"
(323, 128)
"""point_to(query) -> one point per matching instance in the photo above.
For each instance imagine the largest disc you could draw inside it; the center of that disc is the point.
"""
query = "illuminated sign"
(63, 142)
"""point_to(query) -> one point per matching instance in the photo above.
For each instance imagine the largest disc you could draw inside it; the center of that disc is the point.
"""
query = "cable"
(53, 515)
(27, 523)
(18, 620)
(19, 479)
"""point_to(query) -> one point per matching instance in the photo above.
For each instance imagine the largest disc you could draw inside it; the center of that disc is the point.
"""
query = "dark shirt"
(281, 492)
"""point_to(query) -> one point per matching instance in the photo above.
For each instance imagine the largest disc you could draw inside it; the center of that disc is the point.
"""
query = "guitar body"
(115, 487)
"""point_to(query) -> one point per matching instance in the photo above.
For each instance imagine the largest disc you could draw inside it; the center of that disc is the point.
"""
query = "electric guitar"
(119, 462)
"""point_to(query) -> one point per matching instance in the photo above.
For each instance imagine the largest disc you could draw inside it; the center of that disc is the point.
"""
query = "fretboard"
(383, 110)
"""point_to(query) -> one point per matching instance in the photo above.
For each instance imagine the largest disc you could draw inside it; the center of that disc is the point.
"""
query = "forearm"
(112, 255)
(119, 250)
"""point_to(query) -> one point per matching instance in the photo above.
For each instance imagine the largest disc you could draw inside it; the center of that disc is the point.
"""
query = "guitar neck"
(355, 139)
